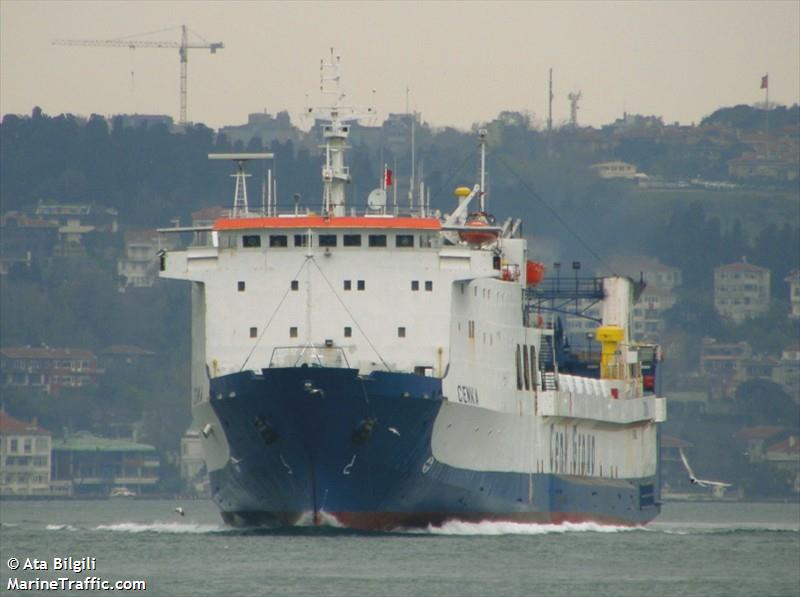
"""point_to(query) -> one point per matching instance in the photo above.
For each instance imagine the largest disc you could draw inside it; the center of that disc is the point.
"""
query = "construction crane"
(183, 51)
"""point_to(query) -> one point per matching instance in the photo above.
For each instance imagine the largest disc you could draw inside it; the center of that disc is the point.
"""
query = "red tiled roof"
(9, 424)
(759, 432)
(791, 445)
(741, 267)
(124, 349)
(28, 352)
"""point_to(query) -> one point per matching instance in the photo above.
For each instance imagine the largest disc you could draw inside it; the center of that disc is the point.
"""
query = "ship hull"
(314, 445)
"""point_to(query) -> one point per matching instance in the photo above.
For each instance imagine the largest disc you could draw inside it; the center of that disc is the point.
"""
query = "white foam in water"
(456, 527)
(60, 527)
(161, 527)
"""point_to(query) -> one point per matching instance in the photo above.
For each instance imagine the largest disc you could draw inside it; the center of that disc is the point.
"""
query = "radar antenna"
(240, 209)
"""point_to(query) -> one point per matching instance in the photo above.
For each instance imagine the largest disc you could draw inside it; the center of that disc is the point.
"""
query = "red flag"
(765, 82)
(388, 178)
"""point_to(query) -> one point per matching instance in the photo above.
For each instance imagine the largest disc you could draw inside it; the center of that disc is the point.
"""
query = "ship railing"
(308, 355)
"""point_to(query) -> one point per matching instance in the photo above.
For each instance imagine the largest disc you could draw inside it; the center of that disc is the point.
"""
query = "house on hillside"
(793, 279)
(49, 369)
(25, 240)
(785, 456)
(24, 457)
(741, 291)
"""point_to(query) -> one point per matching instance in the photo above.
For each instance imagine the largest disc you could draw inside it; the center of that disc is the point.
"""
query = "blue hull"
(305, 442)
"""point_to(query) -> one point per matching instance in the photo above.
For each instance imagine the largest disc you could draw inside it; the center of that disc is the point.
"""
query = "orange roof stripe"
(399, 223)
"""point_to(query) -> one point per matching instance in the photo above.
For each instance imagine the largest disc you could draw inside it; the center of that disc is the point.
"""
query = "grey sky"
(463, 62)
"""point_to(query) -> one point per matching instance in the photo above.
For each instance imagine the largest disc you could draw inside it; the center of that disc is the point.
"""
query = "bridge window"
(301, 240)
(240, 286)
(428, 285)
(348, 285)
(361, 285)
(253, 332)
(404, 241)
(295, 285)
(293, 332)
(251, 241)
(401, 332)
(277, 240)
(351, 240)
(377, 240)
(415, 285)
(348, 332)
(327, 240)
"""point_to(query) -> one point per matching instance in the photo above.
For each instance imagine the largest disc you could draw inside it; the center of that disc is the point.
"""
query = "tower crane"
(183, 47)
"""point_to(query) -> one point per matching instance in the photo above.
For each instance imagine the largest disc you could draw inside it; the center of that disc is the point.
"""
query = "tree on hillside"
(766, 403)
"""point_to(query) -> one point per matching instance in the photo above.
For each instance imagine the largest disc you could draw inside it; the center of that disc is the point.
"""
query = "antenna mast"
(573, 108)
(550, 104)
(240, 208)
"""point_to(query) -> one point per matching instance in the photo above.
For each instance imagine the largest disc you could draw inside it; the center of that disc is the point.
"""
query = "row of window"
(347, 332)
(279, 241)
(527, 370)
(27, 445)
(39, 461)
(347, 285)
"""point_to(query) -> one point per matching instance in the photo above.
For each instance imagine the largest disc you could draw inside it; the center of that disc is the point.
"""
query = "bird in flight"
(701, 482)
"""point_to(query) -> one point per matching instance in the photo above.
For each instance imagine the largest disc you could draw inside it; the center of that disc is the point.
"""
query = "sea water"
(708, 548)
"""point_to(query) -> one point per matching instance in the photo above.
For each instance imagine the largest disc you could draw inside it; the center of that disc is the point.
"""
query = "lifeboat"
(477, 236)
(534, 272)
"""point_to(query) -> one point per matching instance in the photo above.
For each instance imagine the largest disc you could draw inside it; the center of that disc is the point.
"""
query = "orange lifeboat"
(478, 236)
(534, 272)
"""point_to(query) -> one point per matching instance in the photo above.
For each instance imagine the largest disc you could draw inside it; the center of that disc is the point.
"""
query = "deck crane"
(183, 47)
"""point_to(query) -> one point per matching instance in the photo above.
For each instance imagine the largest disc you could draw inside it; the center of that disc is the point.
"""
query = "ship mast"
(335, 175)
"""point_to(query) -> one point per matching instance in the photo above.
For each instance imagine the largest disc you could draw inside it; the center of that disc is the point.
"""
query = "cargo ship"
(386, 369)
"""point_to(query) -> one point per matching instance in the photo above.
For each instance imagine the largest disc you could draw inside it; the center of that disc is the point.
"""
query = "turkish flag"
(765, 82)
(388, 179)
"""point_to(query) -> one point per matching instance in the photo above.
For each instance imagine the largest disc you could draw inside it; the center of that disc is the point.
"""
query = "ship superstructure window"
(429, 285)
(470, 329)
(427, 241)
(377, 240)
(401, 332)
(253, 332)
(415, 285)
(361, 285)
(519, 369)
(295, 285)
(293, 332)
(301, 240)
(327, 240)
(404, 241)
(251, 241)
(348, 285)
(240, 286)
(348, 332)
(278, 240)
(534, 367)
(351, 240)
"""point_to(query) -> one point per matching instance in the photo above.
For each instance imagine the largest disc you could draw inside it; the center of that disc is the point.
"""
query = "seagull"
(395, 431)
(701, 482)
(180, 511)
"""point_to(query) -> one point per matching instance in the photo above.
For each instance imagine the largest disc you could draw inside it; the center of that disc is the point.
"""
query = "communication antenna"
(573, 108)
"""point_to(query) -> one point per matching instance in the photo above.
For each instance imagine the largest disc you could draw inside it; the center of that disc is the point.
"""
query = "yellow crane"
(182, 46)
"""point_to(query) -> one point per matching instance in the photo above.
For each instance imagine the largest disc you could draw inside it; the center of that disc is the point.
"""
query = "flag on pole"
(765, 82)
(388, 178)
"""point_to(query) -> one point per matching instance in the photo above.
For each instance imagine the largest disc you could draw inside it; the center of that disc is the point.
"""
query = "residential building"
(265, 127)
(121, 358)
(88, 465)
(793, 279)
(785, 456)
(25, 240)
(49, 369)
(193, 464)
(650, 270)
(787, 371)
(756, 439)
(75, 222)
(139, 266)
(647, 317)
(24, 457)
(724, 364)
(741, 291)
(615, 169)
